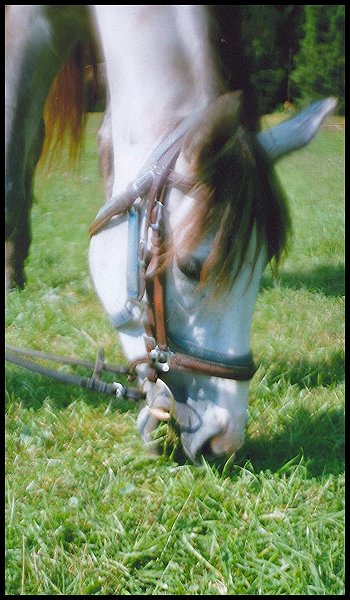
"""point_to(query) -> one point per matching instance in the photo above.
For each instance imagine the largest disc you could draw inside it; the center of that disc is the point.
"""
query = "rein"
(93, 383)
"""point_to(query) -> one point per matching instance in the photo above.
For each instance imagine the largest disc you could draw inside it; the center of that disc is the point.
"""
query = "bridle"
(145, 287)
(145, 278)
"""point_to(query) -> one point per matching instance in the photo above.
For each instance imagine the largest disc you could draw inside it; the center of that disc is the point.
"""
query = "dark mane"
(242, 191)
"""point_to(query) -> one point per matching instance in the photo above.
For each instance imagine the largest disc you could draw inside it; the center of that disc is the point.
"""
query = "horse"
(195, 212)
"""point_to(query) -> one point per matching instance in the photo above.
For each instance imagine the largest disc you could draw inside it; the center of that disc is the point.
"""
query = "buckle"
(120, 390)
(159, 207)
(159, 359)
(135, 308)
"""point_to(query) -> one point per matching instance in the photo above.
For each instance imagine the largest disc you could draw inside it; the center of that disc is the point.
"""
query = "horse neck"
(161, 68)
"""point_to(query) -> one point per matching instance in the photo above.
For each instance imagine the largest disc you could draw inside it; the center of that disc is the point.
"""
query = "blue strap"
(133, 277)
(131, 309)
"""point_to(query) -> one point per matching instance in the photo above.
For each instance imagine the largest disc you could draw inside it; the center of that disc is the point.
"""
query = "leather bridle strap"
(154, 278)
(214, 369)
(139, 188)
(168, 360)
(161, 358)
(152, 184)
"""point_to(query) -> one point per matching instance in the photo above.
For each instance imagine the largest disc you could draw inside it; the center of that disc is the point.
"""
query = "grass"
(90, 512)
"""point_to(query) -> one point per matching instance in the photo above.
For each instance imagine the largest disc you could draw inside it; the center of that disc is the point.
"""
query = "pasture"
(90, 511)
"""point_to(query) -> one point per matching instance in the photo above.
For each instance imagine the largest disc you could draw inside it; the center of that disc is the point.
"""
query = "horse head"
(216, 240)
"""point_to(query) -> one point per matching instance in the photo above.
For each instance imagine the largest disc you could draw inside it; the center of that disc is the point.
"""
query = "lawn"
(90, 512)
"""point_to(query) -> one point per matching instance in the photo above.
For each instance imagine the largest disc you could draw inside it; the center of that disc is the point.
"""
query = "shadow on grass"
(318, 439)
(316, 436)
(314, 440)
(307, 374)
(326, 279)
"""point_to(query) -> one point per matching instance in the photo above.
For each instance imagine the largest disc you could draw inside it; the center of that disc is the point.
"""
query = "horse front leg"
(18, 243)
(16, 251)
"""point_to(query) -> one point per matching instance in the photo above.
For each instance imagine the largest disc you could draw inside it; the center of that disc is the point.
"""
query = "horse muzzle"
(205, 426)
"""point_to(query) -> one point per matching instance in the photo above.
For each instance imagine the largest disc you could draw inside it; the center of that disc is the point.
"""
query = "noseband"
(145, 278)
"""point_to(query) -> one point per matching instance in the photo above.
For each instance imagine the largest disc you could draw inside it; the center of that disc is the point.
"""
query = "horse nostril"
(225, 444)
(217, 433)
(206, 450)
(218, 446)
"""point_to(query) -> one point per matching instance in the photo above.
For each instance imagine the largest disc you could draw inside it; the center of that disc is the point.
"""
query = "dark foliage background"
(283, 53)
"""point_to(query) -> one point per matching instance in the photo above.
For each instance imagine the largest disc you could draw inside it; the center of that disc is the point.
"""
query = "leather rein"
(161, 357)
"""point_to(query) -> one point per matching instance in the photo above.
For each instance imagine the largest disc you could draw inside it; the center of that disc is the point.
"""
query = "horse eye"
(190, 266)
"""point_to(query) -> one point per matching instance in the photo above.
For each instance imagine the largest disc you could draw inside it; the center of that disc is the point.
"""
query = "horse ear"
(207, 138)
(296, 132)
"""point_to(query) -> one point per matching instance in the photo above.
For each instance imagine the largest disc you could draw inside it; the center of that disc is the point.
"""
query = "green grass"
(90, 512)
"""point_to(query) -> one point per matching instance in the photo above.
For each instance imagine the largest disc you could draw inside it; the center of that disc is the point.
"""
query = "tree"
(260, 41)
(284, 52)
(260, 33)
(319, 64)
